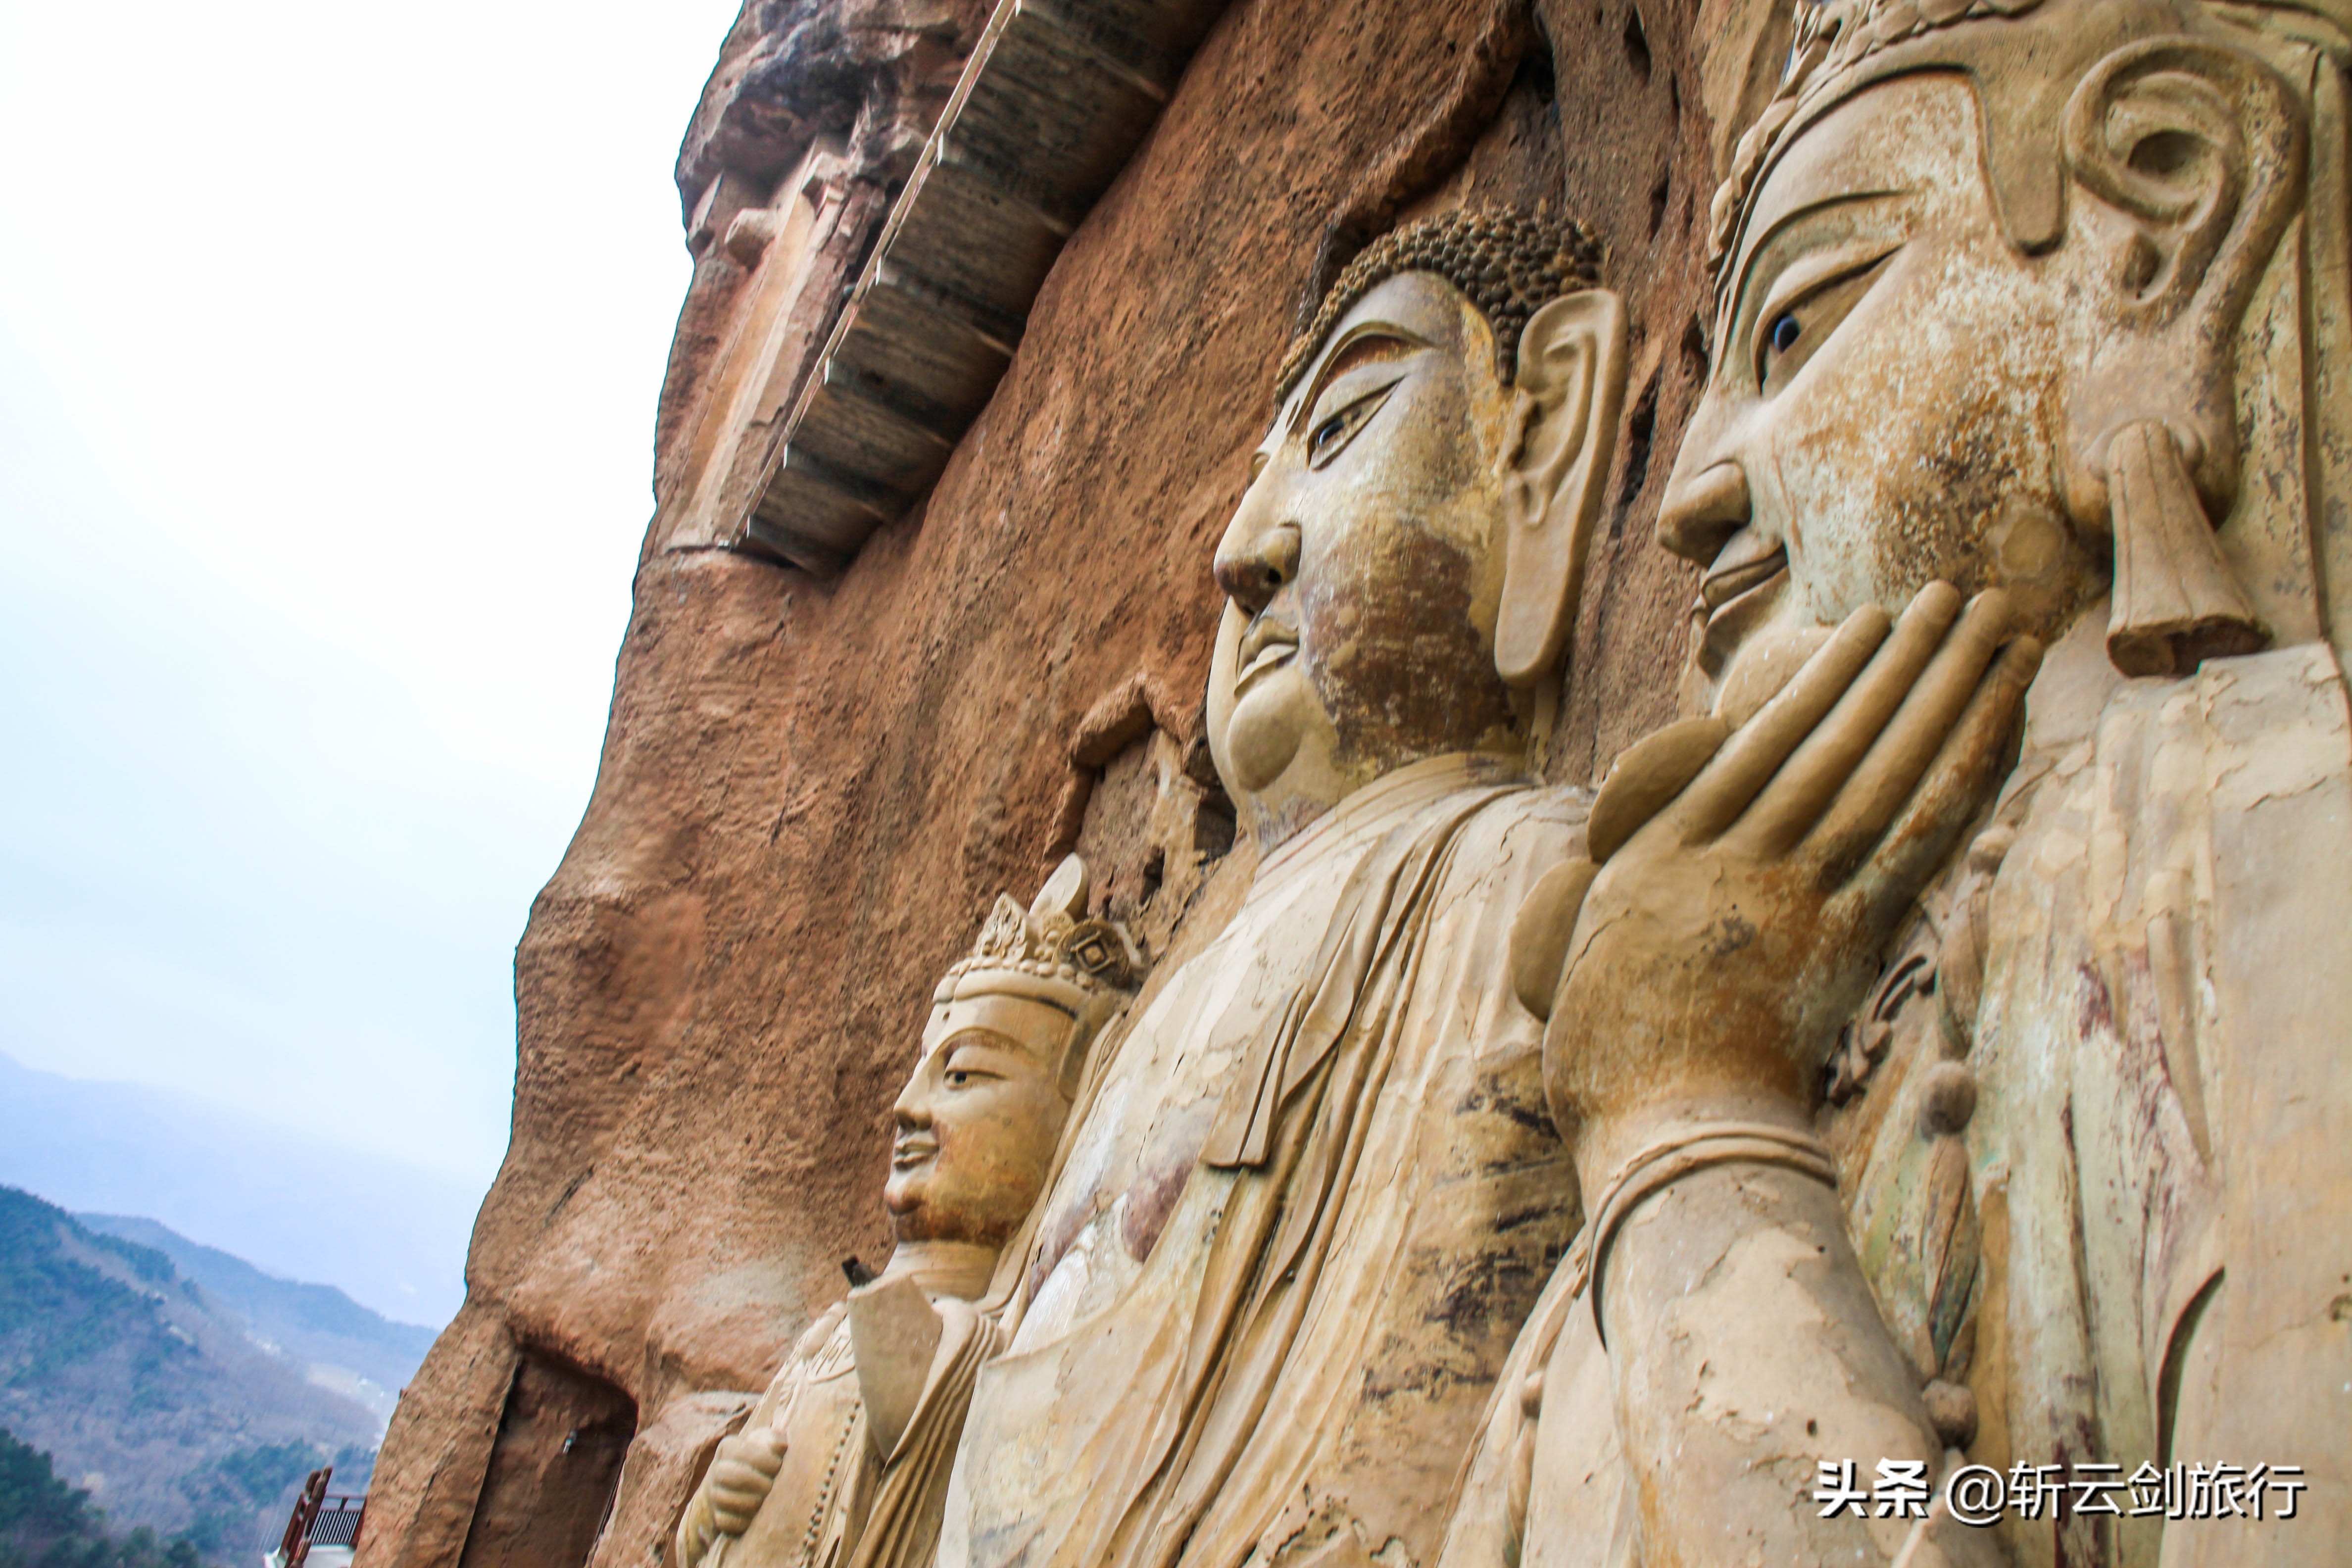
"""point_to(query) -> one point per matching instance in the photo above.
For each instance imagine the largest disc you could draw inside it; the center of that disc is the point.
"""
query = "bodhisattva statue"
(2038, 1152)
(844, 1461)
(1312, 1193)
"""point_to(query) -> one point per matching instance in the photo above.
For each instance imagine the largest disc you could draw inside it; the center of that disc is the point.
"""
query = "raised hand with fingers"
(1743, 885)
(1748, 880)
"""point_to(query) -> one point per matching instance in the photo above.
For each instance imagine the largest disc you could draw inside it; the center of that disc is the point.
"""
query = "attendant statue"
(1943, 1098)
(1313, 1191)
(844, 1461)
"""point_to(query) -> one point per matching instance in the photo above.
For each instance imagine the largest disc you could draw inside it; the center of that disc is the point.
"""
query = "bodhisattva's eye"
(1331, 436)
(1793, 333)
(965, 1075)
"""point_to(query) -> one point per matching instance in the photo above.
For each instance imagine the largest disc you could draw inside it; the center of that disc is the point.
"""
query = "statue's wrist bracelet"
(1668, 1159)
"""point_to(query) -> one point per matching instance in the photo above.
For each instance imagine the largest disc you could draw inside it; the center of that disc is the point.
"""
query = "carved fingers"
(1751, 759)
(1746, 884)
(741, 1473)
(1847, 749)
(1652, 770)
(1955, 781)
(1818, 778)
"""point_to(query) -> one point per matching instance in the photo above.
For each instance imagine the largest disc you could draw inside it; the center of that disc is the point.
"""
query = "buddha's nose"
(1702, 510)
(1257, 556)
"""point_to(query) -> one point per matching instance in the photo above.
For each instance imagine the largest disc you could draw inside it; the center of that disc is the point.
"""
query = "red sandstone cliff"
(810, 788)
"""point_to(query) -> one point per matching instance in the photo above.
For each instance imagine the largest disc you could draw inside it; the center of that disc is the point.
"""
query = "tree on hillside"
(44, 1524)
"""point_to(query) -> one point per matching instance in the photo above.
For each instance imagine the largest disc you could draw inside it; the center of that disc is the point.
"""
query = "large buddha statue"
(845, 1459)
(1942, 1097)
(1311, 1192)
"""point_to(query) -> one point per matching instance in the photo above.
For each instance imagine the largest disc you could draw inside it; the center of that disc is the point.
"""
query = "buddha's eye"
(1331, 436)
(1785, 332)
(957, 1078)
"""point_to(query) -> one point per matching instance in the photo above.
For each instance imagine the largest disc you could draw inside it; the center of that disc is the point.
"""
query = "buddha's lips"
(913, 1150)
(1263, 646)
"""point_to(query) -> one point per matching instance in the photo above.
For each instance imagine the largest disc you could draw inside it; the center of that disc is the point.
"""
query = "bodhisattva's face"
(1359, 576)
(1884, 408)
(977, 1126)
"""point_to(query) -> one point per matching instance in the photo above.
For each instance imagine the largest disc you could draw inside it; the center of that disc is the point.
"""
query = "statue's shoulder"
(822, 1350)
(1562, 805)
(1541, 822)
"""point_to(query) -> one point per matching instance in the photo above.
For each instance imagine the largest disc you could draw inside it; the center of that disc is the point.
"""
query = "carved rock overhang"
(1057, 96)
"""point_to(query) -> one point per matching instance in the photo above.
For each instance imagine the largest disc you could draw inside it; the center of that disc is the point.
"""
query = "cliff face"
(811, 788)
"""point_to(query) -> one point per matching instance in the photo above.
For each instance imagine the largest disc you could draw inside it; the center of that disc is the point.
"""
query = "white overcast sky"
(330, 341)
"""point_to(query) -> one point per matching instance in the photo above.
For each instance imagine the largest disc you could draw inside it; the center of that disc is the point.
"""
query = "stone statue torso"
(1187, 1386)
(806, 1521)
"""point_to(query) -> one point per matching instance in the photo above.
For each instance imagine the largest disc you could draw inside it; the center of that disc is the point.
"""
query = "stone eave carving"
(1057, 98)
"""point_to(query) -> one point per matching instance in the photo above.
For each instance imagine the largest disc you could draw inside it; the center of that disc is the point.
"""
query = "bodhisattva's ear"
(2190, 153)
(1571, 384)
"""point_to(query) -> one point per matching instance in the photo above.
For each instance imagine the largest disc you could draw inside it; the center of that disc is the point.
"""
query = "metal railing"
(320, 1519)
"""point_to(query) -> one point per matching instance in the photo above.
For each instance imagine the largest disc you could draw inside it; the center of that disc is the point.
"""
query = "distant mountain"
(145, 1394)
(392, 1235)
(345, 1346)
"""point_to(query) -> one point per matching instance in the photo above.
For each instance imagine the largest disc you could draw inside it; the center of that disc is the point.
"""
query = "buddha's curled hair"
(1510, 261)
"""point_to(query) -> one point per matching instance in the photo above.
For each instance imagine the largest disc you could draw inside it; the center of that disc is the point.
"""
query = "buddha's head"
(1002, 1053)
(1980, 269)
(1402, 574)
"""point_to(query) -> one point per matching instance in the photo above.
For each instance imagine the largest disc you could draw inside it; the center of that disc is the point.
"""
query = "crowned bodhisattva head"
(1001, 1057)
(1980, 270)
(1403, 568)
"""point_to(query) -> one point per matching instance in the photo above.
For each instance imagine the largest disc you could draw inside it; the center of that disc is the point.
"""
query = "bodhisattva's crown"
(1049, 947)
(1833, 39)
(2025, 56)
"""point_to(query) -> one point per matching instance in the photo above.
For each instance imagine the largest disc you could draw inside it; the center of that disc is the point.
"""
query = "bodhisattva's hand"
(1724, 941)
(742, 1471)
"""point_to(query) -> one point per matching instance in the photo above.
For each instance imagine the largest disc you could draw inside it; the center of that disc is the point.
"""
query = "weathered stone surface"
(1053, 103)
(806, 788)
(874, 73)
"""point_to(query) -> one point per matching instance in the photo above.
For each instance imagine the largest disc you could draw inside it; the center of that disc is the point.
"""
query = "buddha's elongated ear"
(1570, 385)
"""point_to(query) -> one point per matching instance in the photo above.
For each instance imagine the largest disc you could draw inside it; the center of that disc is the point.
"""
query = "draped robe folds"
(1305, 1206)
(2160, 1159)
(839, 1501)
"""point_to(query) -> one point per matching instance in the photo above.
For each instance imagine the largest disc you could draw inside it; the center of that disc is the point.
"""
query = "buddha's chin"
(1262, 738)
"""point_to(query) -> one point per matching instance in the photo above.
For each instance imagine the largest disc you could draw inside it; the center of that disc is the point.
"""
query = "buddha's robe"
(2151, 1210)
(1307, 1199)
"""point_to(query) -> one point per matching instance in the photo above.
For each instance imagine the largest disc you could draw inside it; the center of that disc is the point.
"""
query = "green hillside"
(345, 1346)
(148, 1397)
(44, 1524)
